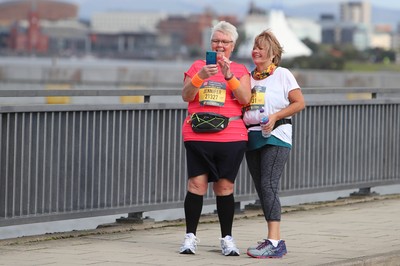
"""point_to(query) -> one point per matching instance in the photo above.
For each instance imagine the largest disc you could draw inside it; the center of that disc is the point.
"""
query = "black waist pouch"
(208, 122)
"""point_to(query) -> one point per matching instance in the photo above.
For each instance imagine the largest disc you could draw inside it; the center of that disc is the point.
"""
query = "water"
(171, 214)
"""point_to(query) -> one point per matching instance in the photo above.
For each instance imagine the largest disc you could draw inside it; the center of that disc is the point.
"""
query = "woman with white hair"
(214, 135)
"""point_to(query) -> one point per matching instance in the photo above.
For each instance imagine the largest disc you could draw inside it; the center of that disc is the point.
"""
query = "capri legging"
(266, 166)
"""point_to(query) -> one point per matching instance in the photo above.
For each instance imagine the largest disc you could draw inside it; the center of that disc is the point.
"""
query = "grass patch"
(370, 67)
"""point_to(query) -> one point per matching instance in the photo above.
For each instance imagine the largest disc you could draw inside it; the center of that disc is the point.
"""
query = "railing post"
(363, 192)
(134, 217)
(253, 206)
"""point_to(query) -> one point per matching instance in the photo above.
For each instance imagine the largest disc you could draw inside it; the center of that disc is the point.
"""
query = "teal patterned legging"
(266, 166)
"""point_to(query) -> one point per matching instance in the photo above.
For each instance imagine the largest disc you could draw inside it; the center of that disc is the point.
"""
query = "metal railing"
(71, 161)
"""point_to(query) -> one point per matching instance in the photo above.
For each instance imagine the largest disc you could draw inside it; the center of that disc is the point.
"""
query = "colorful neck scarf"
(265, 73)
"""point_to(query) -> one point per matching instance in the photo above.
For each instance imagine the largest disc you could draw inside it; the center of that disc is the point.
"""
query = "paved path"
(362, 231)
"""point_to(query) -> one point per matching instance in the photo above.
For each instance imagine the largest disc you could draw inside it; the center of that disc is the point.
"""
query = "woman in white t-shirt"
(276, 91)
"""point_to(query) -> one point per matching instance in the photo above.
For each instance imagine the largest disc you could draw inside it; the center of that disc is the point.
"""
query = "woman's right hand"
(208, 71)
(251, 117)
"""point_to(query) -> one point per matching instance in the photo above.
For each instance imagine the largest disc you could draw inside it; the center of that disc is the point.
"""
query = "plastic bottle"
(263, 121)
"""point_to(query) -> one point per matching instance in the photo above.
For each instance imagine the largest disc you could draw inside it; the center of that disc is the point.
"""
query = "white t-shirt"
(277, 88)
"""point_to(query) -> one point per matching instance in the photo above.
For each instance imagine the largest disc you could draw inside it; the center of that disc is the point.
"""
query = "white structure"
(275, 21)
(305, 28)
(117, 22)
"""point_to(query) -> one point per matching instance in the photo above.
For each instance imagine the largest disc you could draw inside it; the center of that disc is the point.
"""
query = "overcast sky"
(130, 3)
(221, 6)
(88, 7)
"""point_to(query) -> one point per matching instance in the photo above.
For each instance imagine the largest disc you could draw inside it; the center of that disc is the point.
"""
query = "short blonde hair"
(267, 39)
(226, 28)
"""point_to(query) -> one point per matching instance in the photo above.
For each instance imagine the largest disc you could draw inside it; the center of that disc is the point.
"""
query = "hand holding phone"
(211, 57)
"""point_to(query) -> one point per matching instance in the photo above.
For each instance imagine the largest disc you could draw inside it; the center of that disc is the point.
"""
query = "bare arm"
(189, 91)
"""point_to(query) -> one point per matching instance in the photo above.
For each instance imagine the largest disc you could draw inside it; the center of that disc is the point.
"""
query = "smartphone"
(211, 57)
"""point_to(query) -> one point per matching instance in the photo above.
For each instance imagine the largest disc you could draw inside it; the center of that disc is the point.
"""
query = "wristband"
(229, 77)
(233, 83)
(197, 81)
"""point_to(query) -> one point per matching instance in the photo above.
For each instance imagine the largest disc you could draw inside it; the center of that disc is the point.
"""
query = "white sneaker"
(228, 246)
(189, 244)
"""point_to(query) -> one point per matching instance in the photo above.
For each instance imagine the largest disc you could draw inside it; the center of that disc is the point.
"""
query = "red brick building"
(12, 11)
(30, 39)
(190, 31)
(23, 20)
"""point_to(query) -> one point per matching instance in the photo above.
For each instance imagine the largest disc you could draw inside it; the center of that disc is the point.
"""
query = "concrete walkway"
(351, 231)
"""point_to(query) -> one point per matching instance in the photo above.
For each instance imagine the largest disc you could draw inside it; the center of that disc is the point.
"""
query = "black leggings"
(266, 166)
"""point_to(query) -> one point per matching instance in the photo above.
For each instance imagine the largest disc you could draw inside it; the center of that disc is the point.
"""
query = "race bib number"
(257, 98)
(212, 93)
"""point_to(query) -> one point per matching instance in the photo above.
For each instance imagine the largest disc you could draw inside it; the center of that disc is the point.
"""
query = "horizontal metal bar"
(70, 92)
(169, 91)
(89, 107)
(341, 90)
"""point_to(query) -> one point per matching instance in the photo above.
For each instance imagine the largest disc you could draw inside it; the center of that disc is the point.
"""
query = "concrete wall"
(160, 73)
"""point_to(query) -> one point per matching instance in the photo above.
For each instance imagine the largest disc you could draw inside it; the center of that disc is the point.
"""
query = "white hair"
(226, 28)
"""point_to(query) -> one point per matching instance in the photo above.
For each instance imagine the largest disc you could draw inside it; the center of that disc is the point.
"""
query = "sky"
(87, 7)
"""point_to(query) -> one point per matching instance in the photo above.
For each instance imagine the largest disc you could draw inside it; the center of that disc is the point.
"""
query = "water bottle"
(263, 121)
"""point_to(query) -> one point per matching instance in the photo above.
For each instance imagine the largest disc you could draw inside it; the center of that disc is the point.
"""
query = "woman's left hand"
(225, 65)
(271, 122)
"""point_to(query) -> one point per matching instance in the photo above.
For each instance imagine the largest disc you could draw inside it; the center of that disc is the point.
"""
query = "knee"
(223, 187)
(197, 186)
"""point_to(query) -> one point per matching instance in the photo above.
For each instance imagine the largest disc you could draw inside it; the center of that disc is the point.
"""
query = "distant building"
(152, 34)
(51, 27)
(12, 11)
(396, 47)
(22, 25)
(67, 37)
(122, 34)
(354, 26)
(382, 37)
(329, 29)
(173, 34)
(355, 17)
(396, 43)
(255, 10)
(190, 34)
(356, 12)
(28, 39)
(124, 21)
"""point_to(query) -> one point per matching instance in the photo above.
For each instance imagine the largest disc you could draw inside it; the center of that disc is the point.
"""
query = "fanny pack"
(277, 123)
(210, 122)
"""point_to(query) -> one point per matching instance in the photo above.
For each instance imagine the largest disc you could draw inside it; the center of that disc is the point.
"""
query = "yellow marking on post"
(359, 96)
(132, 99)
(58, 99)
